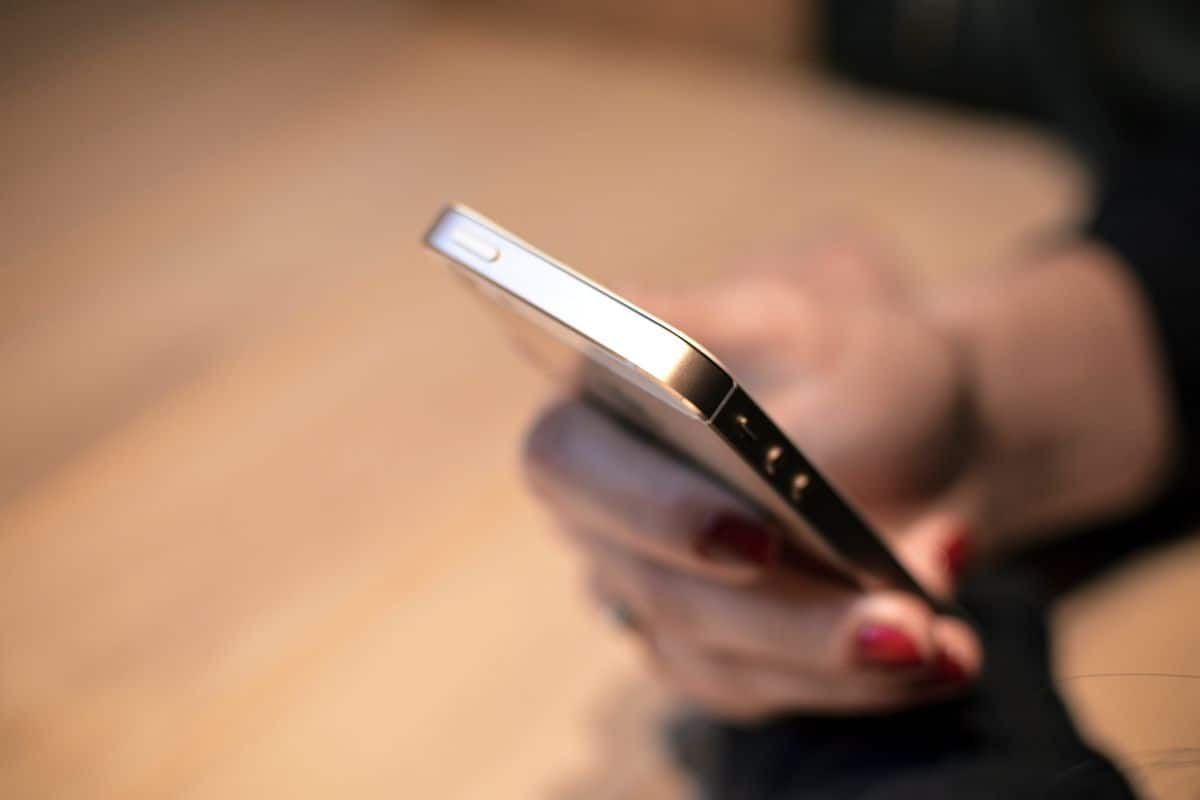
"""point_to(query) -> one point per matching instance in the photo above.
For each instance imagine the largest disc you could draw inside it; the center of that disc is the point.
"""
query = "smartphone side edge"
(695, 376)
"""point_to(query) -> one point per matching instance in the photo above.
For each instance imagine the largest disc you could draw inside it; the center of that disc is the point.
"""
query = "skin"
(976, 412)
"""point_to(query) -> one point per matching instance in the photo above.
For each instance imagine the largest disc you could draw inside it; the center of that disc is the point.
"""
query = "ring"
(621, 615)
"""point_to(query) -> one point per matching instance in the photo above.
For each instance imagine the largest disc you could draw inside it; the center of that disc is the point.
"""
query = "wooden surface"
(261, 534)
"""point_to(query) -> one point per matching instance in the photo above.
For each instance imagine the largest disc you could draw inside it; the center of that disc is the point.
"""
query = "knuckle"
(664, 597)
(543, 439)
(544, 442)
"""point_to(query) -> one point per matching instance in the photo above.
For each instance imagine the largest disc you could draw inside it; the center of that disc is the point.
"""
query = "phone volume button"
(771, 459)
(744, 425)
(800, 482)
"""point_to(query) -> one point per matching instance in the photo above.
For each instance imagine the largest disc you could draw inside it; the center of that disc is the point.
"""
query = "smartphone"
(660, 383)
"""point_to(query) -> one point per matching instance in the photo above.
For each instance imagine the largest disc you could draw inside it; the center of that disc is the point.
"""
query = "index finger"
(599, 476)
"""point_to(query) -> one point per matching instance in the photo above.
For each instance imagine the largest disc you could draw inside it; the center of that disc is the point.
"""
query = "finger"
(597, 476)
(836, 266)
(959, 654)
(738, 319)
(852, 433)
(802, 621)
(705, 682)
(748, 690)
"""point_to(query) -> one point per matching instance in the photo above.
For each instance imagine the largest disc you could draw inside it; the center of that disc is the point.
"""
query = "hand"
(851, 368)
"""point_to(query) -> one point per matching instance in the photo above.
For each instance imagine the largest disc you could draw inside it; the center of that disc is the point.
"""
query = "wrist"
(1068, 391)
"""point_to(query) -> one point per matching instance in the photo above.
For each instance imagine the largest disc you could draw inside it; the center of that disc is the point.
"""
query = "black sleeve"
(1149, 213)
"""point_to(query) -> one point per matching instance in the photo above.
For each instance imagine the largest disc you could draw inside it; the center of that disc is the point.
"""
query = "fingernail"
(733, 539)
(947, 670)
(956, 554)
(886, 645)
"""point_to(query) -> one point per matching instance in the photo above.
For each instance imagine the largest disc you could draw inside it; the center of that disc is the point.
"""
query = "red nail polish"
(947, 670)
(886, 645)
(734, 539)
(956, 554)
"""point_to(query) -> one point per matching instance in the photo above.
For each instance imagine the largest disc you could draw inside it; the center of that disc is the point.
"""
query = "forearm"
(1072, 410)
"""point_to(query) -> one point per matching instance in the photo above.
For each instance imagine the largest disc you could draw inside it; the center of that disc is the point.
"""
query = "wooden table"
(261, 534)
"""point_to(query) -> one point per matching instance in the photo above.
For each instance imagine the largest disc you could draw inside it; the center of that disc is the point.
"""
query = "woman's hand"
(854, 371)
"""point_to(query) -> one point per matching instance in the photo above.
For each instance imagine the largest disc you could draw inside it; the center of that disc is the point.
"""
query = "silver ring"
(621, 615)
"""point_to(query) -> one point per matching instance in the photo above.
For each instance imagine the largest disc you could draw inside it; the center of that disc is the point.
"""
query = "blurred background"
(261, 531)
